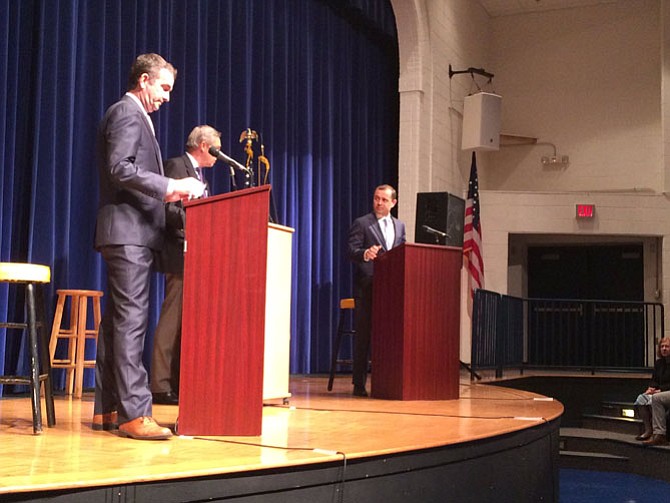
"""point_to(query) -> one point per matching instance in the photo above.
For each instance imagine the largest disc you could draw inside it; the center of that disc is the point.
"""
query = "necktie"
(388, 234)
(198, 174)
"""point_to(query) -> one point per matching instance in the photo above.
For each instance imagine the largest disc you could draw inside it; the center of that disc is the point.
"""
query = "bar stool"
(343, 330)
(76, 335)
(33, 277)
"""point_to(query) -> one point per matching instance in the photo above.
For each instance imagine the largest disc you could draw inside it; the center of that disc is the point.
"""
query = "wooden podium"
(226, 313)
(416, 323)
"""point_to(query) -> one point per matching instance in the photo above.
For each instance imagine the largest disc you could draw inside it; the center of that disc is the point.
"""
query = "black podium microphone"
(215, 152)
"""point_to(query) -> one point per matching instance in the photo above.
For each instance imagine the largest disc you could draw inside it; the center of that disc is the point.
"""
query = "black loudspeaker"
(439, 218)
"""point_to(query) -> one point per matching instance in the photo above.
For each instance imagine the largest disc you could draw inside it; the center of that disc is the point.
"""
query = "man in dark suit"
(129, 231)
(167, 337)
(369, 237)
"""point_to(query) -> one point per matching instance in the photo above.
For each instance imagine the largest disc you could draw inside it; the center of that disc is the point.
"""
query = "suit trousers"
(660, 403)
(363, 320)
(121, 380)
(167, 338)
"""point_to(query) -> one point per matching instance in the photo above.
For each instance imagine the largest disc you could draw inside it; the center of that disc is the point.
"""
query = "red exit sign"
(585, 210)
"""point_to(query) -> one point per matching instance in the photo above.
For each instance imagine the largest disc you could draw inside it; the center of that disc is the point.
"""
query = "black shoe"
(656, 440)
(169, 398)
(360, 391)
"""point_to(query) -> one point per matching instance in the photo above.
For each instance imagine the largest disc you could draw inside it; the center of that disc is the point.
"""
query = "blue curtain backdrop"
(317, 78)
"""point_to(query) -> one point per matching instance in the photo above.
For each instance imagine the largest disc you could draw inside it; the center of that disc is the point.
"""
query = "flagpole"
(472, 254)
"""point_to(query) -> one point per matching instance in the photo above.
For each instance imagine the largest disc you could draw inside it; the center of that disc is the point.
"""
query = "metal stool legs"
(39, 358)
(345, 304)
(32, 276)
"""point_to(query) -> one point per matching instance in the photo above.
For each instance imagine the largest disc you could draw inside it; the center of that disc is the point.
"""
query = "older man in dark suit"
(167, 337)
(369, 237)
(129, 231)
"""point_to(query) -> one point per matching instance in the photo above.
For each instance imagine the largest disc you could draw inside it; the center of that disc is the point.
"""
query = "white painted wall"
(589, 81)
(593, 81)
(432, 35)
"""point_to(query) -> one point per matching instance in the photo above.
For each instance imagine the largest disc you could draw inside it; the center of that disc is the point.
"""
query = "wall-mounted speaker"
(441, 212)
(481, 122)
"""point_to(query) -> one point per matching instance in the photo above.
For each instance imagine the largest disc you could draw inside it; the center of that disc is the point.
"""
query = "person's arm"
(175, 216)
(661, 376)
(357, 251)
(356, 237)
(125, 153)
(183, 189)
(402, 231)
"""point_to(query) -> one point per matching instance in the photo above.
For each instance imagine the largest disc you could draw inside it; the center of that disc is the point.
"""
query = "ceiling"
(510, 7)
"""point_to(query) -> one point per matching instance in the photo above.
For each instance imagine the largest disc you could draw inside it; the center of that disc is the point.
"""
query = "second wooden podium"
(416, 323)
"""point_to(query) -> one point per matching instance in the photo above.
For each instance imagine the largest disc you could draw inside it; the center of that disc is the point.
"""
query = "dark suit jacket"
(171, 258)
(365, 232)
(131, 209)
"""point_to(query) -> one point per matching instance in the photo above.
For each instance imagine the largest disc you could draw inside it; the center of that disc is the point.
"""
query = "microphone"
(434, 232)
(215, 152)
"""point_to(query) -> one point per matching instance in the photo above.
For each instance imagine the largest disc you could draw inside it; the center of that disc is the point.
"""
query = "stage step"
(594, 461)
(589, 449)
(625, 425)
(615, 409)
(589, 440)
(593, 455)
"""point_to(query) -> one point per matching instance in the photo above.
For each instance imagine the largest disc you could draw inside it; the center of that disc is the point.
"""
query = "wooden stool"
(32, 276)
(76, 335)
(342, 331)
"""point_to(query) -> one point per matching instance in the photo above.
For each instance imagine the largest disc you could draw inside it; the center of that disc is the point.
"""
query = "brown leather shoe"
(144, 428)
(106, 422)
(644, 436)
(656, 440)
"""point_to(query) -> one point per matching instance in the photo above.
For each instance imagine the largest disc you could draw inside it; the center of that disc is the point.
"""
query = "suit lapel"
(376, 231)
(159, 158)
(395, 232)
(190, 170)
(150, 131)
(379, 234)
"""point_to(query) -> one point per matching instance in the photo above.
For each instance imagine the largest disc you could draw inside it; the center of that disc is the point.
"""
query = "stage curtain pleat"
(318, 79)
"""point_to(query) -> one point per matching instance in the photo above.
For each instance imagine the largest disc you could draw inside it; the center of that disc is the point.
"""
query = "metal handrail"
(513, 332)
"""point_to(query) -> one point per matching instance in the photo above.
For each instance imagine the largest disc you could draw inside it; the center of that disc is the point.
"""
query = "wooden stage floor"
(316, 426)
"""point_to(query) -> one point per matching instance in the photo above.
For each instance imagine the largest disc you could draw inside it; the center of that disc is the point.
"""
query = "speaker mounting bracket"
(471, 71)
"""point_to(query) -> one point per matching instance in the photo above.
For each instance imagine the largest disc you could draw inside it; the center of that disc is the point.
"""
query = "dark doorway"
(602, 272)
(567, 325)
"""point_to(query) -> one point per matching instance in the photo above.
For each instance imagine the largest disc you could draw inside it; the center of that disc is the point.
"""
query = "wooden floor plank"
(314, 427)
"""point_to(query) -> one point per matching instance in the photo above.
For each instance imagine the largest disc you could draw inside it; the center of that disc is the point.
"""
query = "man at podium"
(369, 237)
(167, 337)
(129, 230)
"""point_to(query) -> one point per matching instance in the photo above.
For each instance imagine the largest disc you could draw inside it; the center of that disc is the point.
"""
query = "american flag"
(472, 234)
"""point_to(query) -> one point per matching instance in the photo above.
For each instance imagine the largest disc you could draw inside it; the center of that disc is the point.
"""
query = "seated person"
(656, 398)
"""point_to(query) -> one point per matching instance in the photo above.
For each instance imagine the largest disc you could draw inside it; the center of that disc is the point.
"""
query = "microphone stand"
(473, 375)
(438, 235)
(249, 177)
(233, 183)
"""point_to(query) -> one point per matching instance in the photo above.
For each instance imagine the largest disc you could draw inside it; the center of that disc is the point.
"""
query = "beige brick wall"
(591, 81)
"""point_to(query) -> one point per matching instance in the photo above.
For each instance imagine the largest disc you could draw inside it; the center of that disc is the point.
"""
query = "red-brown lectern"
(416, 323)
(221, 380)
